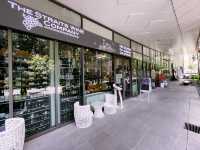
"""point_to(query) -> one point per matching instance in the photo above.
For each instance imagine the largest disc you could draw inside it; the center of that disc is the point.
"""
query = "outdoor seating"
(110, 106)
(83, 115)
(13, 136)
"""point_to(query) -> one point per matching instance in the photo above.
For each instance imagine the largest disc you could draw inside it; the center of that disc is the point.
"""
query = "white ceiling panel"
(151, 22)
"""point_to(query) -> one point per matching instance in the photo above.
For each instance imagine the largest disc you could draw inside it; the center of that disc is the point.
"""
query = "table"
(98, 113)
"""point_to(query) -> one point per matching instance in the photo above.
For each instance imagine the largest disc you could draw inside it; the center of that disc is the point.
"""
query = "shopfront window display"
(4, 102)
(135, 77)
(69, 79)
(98, 71)
(144, 69)
(122, 74)
(31, 81)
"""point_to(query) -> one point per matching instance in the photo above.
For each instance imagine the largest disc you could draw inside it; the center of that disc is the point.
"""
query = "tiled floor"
(158, 125)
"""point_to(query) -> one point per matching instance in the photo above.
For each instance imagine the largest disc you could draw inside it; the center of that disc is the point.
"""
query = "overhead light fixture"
(137, 14)
(158, 21)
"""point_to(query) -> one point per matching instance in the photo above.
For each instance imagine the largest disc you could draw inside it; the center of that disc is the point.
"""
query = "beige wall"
(97, 29)
(53, 10)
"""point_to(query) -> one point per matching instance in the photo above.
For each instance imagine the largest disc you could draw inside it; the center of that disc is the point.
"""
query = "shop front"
(136, 72)
(123, 74)
(46, 65)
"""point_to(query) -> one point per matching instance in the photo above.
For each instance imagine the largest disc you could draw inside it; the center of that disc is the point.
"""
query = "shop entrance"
(135, 78)
(68, 78)
(122, 75)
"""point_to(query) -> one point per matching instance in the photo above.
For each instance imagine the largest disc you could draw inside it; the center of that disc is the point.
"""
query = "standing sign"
(26, 19)
(146, 84)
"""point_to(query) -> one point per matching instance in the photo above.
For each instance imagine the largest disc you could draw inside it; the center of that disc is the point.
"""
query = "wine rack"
(70, 83)
(30, 100)
(4, 104)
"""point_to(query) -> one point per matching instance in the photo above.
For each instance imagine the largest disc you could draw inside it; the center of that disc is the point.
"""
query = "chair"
(83, 115)
(110, 105)
(13, 136)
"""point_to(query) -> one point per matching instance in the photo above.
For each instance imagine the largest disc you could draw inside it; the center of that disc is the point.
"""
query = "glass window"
(121, 40)
(134, 67)
(4, 103)
(136, 47)
(69, 79)
(97, 29)
(31, 81)
(122, 74)
(139, 68)
(98, 71)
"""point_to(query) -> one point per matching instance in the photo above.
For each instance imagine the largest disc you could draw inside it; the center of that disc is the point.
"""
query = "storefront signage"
(125, 51)
(22, 18)
(34, 19)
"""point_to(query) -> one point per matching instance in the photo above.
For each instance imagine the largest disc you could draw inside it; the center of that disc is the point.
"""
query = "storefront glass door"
(68, 89)
(134, 77)
(98, 71)
(122, 74)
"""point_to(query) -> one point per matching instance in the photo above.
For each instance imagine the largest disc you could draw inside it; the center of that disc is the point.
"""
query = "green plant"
(41, 64)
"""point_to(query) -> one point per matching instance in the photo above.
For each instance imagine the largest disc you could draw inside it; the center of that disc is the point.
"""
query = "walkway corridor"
(158, 125)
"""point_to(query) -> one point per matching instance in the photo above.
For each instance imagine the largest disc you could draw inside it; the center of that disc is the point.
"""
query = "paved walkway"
(158, 125)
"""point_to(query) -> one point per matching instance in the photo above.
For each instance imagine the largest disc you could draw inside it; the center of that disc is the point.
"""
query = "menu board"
(146, 84)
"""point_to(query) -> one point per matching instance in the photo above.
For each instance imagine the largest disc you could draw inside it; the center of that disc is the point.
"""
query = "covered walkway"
(158, 125)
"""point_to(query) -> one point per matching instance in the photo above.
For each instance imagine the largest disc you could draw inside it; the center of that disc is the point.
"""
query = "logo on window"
(31, 22)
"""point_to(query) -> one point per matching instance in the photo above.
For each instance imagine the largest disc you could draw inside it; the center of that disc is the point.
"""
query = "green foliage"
(195, 77)
(41, 64)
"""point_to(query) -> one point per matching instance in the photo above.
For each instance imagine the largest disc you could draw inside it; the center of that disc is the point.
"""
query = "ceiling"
(151, 22)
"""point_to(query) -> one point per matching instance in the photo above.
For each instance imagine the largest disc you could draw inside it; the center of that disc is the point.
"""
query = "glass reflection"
(98, 71)
(69, 80)
(31, 82)
(4, 103)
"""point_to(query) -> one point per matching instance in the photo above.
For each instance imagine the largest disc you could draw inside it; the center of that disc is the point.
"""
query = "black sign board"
(146, 84)
(23, 18)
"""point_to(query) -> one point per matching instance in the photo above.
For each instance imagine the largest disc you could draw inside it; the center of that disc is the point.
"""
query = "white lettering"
(66, 25)
(29, 11)
(53, 26)
(44, 17)
(46, 23)
(55, 21)
(38, 15)
(13, 4)
(50, 19)
(19, 8)
(33, 19)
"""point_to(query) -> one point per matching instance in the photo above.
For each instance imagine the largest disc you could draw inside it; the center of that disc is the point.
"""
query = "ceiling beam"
(176, 18)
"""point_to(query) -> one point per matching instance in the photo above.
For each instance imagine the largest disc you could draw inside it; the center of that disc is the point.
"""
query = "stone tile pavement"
(142, 125)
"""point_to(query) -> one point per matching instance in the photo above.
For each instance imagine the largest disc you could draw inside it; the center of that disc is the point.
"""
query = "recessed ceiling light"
(158, 20)
(137, 14)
